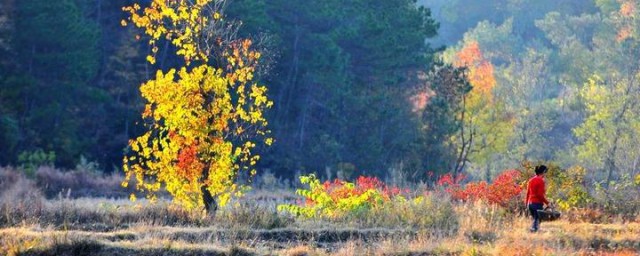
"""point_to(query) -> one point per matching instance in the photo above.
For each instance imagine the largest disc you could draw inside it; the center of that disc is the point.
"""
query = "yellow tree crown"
(203, 121)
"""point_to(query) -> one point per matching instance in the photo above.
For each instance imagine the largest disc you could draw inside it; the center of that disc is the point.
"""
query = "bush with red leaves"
(503, 191)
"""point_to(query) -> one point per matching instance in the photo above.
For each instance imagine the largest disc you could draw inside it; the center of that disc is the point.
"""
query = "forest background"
(382, 88)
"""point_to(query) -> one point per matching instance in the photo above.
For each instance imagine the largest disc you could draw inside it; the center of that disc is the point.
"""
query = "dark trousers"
(533, 209)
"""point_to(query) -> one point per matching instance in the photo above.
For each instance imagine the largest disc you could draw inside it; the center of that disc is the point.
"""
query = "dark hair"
(540, 169)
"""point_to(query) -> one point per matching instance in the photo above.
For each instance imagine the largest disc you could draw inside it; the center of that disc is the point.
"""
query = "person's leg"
(533, 210)
(536, 220)
(533, 214)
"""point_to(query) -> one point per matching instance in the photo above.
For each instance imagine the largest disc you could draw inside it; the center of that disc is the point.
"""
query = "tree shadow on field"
(82, 248)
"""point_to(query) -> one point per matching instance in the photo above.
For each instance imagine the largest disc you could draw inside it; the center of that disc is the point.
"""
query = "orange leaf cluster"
(627, 8)
(339, 189)
(627, 11)
(242, 61)
(623, 33)
(469, 56)
(480, 69)
(419, 101)
(188, 163)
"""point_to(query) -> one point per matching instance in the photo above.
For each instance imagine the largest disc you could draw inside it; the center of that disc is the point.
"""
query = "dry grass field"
(32, 223)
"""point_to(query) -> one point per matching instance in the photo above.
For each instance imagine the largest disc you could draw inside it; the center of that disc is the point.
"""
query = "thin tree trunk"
(290, 81)
(461, 152)
(303, 121)
(488, 172)
(466, 143)
(210, 204)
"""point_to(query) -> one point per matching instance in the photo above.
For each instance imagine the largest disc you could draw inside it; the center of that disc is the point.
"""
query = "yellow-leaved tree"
(205, 118)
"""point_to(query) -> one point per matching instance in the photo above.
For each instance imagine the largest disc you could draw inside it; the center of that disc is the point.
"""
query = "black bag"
(549, 214)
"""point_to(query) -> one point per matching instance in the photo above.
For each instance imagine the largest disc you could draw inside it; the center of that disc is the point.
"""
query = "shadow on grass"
(86, 247)
(276, 235)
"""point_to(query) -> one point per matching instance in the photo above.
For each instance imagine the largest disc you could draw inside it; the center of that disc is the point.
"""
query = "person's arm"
(526, 199)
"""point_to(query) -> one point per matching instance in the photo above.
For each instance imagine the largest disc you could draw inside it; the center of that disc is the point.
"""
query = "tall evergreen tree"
(342, 82)
(54, 58)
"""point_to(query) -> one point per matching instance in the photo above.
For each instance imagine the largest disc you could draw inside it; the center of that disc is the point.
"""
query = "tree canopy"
(204, 119)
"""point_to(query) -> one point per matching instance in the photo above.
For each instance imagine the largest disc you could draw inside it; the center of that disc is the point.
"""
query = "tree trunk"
(488, 172)
(467, 142)
(210, 204)
(610, 163)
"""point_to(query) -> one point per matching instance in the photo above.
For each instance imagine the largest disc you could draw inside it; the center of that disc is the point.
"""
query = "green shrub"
(621, 197)
(30, 160)
(334, 199)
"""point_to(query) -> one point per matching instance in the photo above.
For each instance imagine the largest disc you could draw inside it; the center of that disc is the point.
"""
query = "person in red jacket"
(536, 196)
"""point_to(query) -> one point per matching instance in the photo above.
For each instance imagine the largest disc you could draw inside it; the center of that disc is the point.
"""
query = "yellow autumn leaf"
(151, 59)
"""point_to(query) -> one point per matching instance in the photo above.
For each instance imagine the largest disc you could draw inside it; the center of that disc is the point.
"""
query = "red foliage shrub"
(452, 185)
(449, 180)
(342, 189)
(505, 188)
(503, 191)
